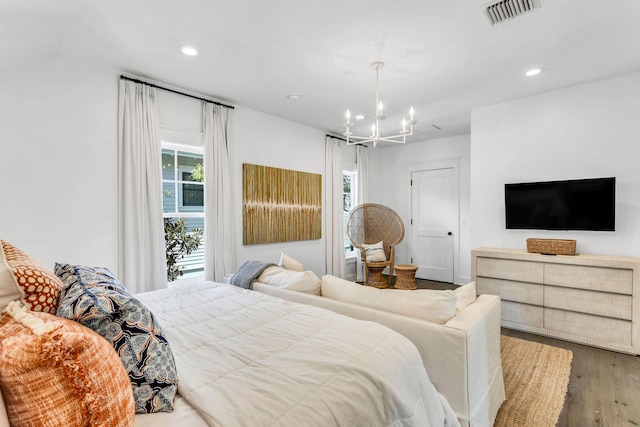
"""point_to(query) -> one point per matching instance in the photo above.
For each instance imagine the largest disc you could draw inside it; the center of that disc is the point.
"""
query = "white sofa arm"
(480, 325)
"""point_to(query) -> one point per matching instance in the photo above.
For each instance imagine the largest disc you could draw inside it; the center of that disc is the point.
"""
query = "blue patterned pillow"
(94, 298)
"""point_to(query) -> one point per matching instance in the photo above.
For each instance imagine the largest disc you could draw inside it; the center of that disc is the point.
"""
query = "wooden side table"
(406, 276)
(375, 278)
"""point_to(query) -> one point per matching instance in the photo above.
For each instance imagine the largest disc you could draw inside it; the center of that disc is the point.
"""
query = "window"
(183, 205)
(349, 201)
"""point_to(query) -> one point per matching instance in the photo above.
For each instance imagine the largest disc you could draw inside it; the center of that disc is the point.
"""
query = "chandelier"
(376, 128)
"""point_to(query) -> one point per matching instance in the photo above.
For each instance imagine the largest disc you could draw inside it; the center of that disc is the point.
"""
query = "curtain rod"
(342, 139)
(175, 91)
(336, 137)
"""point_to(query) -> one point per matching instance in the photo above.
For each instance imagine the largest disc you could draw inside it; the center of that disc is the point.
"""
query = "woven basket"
(551, 246)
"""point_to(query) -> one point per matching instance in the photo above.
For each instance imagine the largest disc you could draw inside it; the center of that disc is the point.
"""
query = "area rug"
(536, 377)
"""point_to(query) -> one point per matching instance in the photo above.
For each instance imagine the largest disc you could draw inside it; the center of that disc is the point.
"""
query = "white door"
(433, 216)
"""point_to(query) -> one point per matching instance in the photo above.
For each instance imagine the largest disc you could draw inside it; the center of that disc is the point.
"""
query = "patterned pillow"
(93, 297)
(41, 287)
(375, 252)
(54, 370)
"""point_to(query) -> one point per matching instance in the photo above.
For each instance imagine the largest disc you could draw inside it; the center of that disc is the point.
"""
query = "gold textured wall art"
(280, 205)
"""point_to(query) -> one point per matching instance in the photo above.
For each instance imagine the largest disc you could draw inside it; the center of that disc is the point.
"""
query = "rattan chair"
(371, 223)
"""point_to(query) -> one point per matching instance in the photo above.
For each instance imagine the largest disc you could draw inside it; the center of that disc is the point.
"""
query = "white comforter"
(248, 359)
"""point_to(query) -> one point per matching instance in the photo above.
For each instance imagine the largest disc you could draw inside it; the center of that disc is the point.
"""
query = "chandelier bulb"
(404, 125)
(411, 113)
(380, 106)
(348, 123)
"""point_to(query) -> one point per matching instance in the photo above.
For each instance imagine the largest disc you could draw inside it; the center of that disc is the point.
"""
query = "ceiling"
(441, 56)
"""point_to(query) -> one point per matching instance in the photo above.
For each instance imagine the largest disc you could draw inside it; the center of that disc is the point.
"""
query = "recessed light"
(359, 117)
(533, 72)
(189, 50)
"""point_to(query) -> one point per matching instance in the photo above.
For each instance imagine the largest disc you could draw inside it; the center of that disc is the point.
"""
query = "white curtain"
(334, 215)
(362, 169)
(219, 250)
(142, 260)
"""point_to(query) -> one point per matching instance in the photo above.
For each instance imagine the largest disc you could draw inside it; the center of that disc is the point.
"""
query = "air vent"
(501, 11)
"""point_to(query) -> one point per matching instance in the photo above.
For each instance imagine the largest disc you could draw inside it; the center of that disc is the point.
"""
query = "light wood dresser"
(589, 299)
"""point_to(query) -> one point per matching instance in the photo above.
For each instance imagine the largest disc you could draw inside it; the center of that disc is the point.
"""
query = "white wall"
(180, 118)
(58, 151)
(349, 154)
(263, 139)
(390, 168)
(586, 131)
(58, 161)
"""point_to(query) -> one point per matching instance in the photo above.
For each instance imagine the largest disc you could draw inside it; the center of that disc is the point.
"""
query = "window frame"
(175, 147)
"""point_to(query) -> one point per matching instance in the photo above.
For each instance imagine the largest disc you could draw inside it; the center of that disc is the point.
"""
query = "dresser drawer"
(521, 271)
(615, 280)
(586, 325)
(508, 290)
(591, 302)
(530, 315)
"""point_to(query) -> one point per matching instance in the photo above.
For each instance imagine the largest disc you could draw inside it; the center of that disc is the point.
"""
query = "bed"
(79, 349)
(248, 359)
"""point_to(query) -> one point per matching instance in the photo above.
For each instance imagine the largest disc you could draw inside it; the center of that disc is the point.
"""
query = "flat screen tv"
(581, 204)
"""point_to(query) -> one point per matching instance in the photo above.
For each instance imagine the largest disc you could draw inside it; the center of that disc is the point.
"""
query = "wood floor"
(604, 387)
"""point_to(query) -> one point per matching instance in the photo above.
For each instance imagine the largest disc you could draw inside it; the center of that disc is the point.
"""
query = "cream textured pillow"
(300, 281)
(9, 289)
(56, 371)
(465, 295)
(426, 304)
(289, 263)
(375, 252)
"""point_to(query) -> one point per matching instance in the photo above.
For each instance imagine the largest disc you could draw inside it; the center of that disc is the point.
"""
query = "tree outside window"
(183, 210)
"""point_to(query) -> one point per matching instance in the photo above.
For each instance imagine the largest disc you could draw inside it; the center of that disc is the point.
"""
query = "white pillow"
(465, 295)
(375, 252)
(300, 281)
(426, 304)
(289, 263)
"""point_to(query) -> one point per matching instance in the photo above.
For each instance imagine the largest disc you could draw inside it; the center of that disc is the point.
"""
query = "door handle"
(449, 234)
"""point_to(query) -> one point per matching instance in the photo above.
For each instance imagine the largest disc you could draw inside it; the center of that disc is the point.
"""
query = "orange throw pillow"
(41, 287)
(56, 369)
